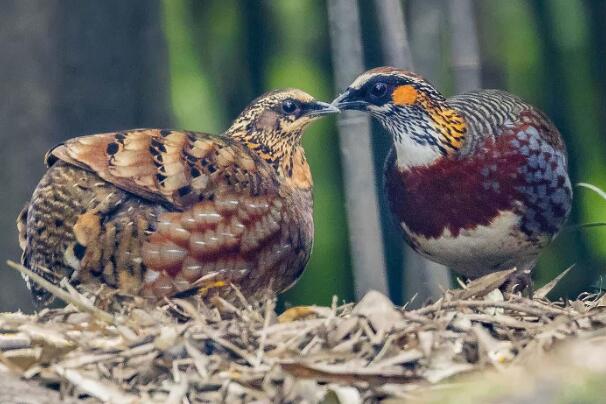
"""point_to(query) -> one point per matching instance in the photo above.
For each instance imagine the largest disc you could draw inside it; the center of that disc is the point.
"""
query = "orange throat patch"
(404, 95)
(301, 174)
(288, 161)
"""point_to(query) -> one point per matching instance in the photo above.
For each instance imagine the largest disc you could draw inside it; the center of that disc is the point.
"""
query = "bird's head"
(410, 109)
(272, 125)
(280, 113)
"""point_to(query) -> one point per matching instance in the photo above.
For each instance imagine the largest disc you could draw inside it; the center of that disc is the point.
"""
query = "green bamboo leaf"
(592, 187)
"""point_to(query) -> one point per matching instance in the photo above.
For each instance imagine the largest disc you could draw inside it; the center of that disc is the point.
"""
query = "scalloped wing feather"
(169, 166)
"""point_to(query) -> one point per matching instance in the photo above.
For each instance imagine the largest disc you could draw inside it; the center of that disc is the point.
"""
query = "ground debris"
(197, 352)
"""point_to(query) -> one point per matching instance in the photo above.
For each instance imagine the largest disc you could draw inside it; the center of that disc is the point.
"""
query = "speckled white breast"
(481, 250)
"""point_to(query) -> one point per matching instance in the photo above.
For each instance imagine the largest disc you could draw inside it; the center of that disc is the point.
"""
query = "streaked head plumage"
(285, 110)
(408, 106)
(272, 126)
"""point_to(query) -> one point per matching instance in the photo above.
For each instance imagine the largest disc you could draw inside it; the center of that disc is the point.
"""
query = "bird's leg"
(203, 288)
(519, 282)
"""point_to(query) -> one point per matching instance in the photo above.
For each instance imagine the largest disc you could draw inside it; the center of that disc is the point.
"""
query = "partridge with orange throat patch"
(478, 182)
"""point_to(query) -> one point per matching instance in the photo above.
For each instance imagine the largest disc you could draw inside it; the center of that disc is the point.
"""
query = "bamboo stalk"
(425, 24)
(394, 39)
(366, 240)
(422, 278)
(465, 55)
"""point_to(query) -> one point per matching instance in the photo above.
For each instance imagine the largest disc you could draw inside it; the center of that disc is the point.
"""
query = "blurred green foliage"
(551, 52)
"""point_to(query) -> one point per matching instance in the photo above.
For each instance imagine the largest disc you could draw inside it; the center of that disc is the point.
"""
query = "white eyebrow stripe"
(361, 79)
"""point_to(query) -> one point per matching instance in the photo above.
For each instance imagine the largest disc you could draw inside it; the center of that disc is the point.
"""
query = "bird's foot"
(519, 282)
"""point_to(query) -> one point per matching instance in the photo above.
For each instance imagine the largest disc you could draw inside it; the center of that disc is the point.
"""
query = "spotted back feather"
(169, 166)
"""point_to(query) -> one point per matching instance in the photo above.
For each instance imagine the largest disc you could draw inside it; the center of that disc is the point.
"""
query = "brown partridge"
(164, 212)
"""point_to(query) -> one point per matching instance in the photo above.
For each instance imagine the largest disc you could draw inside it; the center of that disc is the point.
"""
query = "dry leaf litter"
(118, 349)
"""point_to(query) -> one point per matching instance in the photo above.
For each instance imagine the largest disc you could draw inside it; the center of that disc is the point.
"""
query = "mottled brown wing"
(168, 166)
(226, 220)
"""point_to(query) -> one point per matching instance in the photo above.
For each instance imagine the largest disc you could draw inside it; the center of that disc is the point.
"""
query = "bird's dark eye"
(290, 106)
(378, 90)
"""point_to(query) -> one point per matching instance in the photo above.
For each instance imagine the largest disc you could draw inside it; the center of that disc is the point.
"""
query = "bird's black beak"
(350, 100)
(318, 108)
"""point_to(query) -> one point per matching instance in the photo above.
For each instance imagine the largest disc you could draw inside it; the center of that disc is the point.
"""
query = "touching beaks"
(321, 108)
(349, 100)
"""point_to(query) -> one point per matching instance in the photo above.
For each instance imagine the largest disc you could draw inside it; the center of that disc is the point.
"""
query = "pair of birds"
(478, 182)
